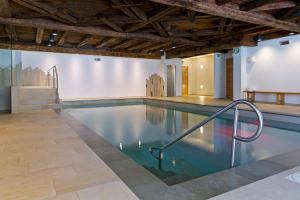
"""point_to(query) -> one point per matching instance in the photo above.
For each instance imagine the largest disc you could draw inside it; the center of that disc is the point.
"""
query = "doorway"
(171, 80)
(229, 78)
(185, 81)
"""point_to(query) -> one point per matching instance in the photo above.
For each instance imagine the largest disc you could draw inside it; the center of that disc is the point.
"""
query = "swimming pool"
(134, 129)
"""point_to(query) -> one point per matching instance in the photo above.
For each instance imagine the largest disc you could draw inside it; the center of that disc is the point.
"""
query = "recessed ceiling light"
(161, 50)
(54, 33)
(291, 33)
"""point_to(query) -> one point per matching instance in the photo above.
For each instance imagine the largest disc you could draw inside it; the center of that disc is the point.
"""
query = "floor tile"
(112, 190)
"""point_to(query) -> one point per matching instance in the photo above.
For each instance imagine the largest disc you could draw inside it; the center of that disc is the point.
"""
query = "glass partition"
(5, 80)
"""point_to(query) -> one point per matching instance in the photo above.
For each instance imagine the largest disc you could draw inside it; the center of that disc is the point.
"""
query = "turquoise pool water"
(134, 129)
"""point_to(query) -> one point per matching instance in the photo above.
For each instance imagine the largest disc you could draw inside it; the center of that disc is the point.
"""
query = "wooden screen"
(229, 78)
(185, 81)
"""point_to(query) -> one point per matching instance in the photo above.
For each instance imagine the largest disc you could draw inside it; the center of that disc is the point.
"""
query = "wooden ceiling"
(142, 28)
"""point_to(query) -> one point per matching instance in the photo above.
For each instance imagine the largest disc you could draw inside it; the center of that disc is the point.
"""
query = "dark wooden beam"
(201, 33)
(39, 35)
(140, 13)
(111, 25)
(11, 32)
(151, 19)
(131, 5)
(106, 42)
(222, 25)
(85, 41)
(124, 9)
(195, 35)
(275, 6)
(232, 13)
(5, 11)
(140, 46)
(268, 4)
(96, 31)
(159, 29)
(222, 2)
(230, 26)
(286, 13)
(98, 20)
(45, 9)
(98, 52)
(124, 45)
(61, 41)
(192, 15)
(204, 50)
(156, 47)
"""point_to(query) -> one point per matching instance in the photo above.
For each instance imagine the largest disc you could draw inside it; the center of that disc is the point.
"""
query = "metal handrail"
(54, 69)
(234, 104)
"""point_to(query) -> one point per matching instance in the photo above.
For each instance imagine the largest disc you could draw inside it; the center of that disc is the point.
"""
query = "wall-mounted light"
(173, 46)
(259, 38)
(253, 59)
(201, 130)
(140, 143)
(201, 66)
(201, 86)
(284, 42)
(121, 146)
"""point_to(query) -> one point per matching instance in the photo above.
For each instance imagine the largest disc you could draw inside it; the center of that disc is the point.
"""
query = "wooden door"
(229, 78)
(185, 81)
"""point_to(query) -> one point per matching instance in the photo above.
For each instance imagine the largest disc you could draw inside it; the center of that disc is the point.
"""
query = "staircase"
(34, 98)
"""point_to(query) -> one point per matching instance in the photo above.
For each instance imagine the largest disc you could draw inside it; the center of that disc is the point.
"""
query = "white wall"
(269, 67)
(80, 76)
(200, 76)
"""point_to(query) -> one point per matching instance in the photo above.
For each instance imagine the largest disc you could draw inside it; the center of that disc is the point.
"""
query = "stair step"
(27, 108)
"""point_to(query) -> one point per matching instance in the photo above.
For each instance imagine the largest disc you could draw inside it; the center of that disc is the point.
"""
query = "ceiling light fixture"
(258, 38)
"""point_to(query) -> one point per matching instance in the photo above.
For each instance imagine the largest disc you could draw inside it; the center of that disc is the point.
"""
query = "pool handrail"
(234, 104)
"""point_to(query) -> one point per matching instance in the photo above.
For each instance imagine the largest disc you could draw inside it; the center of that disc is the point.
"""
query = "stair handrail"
(55, 84)
(234, 104)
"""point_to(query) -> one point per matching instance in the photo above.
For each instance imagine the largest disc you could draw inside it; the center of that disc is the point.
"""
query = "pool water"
(134, 129)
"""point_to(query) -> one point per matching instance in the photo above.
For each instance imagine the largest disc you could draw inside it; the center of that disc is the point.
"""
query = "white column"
(239, 71)
(219, 75)
(178, 74)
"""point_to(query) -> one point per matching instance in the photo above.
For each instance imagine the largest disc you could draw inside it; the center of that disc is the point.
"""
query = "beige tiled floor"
(276, 187)
(42, 158)
(208, 100)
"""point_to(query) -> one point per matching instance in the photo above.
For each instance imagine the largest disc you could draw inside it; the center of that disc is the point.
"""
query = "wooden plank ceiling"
(141, 28)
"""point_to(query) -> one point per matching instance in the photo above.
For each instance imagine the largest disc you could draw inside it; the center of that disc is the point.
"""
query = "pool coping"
(147, 186)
